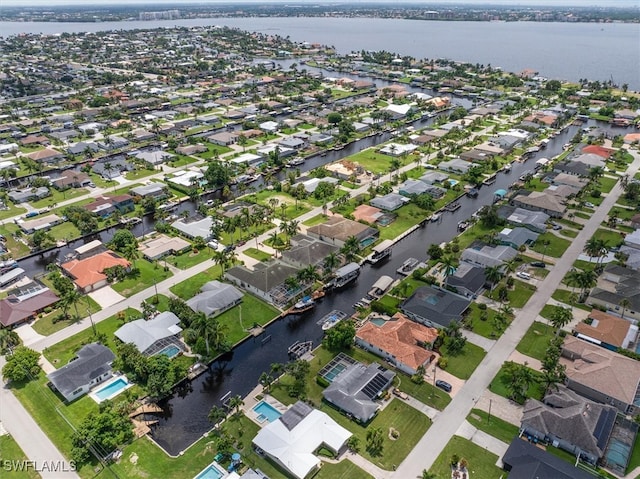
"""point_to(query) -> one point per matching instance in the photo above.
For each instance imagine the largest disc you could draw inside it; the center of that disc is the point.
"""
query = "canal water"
(237, 373)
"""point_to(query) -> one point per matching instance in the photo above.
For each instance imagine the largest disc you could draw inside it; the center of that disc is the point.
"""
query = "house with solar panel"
(354, 387)
(570, 422)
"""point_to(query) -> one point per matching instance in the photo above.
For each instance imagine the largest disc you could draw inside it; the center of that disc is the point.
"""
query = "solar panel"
(604, 426)
(374, 386)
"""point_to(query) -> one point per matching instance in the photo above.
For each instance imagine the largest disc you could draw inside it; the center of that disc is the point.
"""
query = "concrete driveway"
(106, 297)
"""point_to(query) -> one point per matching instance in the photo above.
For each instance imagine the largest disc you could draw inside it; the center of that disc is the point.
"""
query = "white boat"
(333, 318)
(507, 168)
(295, 162)
(305, 304)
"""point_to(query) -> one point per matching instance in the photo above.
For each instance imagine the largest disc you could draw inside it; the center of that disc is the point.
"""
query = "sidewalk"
(482, 439)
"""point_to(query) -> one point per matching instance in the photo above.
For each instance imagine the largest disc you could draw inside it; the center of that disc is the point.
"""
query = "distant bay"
(568, 51)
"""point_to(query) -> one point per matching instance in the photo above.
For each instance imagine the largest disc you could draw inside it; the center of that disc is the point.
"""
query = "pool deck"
(93, 393)
(251, 401)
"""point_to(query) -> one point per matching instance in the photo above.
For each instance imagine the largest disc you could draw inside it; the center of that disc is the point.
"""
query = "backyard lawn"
(481, 462)
(483, 327)
(148, 274)
(10, 451)
(252, 311)
(191, 286)
(556, 248)
(494, 426)
(463, 365)
(408, 215)
(60, 353)
(536, 341)
(188, 259)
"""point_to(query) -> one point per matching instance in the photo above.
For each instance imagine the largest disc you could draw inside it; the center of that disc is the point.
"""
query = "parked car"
(444, 385)
(589, 204)
(523, 275)
(400, 394)
(538, 264)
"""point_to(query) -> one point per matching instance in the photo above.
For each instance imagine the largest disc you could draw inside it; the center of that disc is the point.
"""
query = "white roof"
(400, 109)
(185, 178)
(246, 158)
(88, 247)
(294, 448)
(398, 148)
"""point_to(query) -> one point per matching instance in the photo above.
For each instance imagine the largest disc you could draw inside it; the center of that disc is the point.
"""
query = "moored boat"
(331, 319)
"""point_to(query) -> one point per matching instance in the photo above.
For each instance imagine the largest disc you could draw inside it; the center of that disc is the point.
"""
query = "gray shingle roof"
(92, 361)
(435, 305)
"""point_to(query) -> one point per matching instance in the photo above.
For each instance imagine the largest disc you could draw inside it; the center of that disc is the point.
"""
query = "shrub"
(443, 362)
(482, 306)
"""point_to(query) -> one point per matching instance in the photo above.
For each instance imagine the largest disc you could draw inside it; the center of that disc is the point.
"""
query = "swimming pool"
(266, 412)
(452, 182)
(111, 389)
(337, 369)
(618, 453)
(170, 351)
(378, 321)
(212, 471)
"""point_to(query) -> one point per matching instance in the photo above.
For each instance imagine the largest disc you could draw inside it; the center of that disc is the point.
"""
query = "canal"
(237, 373)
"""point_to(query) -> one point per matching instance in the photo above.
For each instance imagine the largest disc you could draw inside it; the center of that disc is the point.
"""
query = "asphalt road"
(447, 423)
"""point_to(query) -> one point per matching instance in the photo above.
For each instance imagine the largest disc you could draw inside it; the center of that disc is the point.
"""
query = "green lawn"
(556, 248)
(634, 461)
(612, 238)
(569, 233)
(521, 293)
(493, 426)
(425, 393)
(565, 296)
(409, 215)
(10, 451)
(257, 254)
(58, 196)
(12, 211)
(139, 173)
(17, 248)
(481, 462)
(45, 325)
(147, 275)
(190, 287)
(607, 184)
(372, 161)
(463, 365)
(188, 259)
(213, 150)
(535, 390)
(250, 312)
(483, 328)
(536, 341)
(316, 220)
(66, 230)
(59, 354)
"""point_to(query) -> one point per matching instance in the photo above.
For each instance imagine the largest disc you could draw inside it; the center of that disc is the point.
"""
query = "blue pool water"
(452, 182)
(170, 351)
(378, 321)
(618, 453)
(337, 369)
(266, 411)
(210, 472)
(112, 389)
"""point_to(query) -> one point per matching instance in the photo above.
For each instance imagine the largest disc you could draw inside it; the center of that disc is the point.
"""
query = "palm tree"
(331, 262)
(560, 317)
(350, 249)
(595, 173)
(448, 265)
(131, 253)
(216, 415)
(236, 403)
(292, 284)
(587, 279)
(493, 274)
(624, 304)
(276, 242)
(209, 329)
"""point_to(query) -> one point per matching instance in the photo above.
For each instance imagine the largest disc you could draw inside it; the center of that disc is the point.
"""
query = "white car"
(589, 205)
(523, 275)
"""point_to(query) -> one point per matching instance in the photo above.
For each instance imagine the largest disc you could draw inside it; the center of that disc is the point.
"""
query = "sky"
(176, 3)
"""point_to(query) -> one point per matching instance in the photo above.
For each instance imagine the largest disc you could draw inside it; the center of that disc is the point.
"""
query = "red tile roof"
(89, 271)
(400, 337)
(598, 150)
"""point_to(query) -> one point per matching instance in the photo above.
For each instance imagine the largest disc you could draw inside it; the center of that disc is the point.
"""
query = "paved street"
(447, 423)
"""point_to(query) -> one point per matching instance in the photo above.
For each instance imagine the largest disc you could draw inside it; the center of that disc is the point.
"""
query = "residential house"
(162, 245)
(435, 307)
(432, 177)
(265, 280)
(355, 390)
(311, 184)
(541, 201)
(455, 165)
(389, 202)
(306, 251)
(525, 460)
(24, 303)
(90, 367)
(71, 179)
(112, 167)
(575, 424)
(154, 335)
(618, 283)
(517, 237)
(367, 213)
(291, 440)
(602, 375)
(606, 330)
(489, 256)
(533, 220)
(88, 274)
(82, 148)
(107, 205)
(154, 157)
(293, 143)
(28, 194)
(402, 342)
(42, 223)
(398, 149)
(337, 230)
(215, 298)
(194, 227)
(467, 280)
(413, 187)
(191, 149)
(569, 180)
(223, 138)
(157, 191)
(46, 155)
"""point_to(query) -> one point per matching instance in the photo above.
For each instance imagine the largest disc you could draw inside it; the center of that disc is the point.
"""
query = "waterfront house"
(39, 223)
(193, 227)
(606, 330)
(154, 335)
(91, 366)
(28, 194)
(455, 165)
(517, 237)
(389, 202)
(533, 220)
(354, 390)
(46, 155)
(435, 307)
(488, 256)
(601, 375)
(265, 280)
(541, 201)
(402, 342)
(468, 280)
(88, 274)
(105, 206)
(571, 422)
(291, 440)
(162, 245)
(305, 251)
(337, 230)
(157, 191)
(71, 179)
(215, 298)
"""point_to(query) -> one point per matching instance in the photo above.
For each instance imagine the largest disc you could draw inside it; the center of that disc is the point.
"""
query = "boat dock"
(300, 348)
(146, 409)
(451, 207)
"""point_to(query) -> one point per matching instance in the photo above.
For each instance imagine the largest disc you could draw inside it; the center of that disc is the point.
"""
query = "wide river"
(569, 51)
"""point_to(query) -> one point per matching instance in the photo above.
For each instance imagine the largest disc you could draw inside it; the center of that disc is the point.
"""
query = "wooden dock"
(146, 409)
